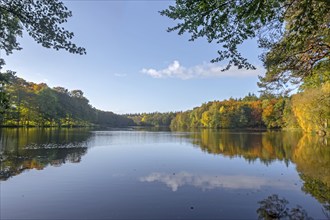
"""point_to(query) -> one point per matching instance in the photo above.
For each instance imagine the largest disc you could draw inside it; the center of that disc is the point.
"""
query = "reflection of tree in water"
(24, 149)
(319, 190)
(274, 207)
(12, 139)
(312, 157)
(310, 154)
(265, 146)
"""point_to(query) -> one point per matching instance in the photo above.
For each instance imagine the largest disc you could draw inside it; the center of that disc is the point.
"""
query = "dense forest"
(32, 104)
(309, 110)
(155, 119)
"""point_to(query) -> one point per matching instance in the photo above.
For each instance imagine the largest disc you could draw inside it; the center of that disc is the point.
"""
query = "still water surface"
(131, 174)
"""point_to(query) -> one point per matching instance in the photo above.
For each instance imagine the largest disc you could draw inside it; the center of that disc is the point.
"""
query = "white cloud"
(211, 182)
(205, 70)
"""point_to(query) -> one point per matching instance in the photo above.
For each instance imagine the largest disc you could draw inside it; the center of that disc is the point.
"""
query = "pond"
(139, 174)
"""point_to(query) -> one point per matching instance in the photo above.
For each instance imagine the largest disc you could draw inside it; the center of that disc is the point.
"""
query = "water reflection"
(24, 149)
(312, 159)
(274, 207)
(129, 174)
(310, 154)
(263, 146)
(205, 182)
(319, 190)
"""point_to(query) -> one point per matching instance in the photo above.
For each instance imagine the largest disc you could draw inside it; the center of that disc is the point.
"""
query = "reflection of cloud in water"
(174, 181)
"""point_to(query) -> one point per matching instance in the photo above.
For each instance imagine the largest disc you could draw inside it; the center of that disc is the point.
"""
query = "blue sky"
(132, 64)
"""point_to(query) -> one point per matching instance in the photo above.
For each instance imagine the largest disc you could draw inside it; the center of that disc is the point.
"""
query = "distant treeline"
(308, 110)
(155, 119)
(267, 111)
(32, 104)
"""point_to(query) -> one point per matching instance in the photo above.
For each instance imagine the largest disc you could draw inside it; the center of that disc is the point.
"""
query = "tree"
(206, 119)
(42, 20)
(4, 99)
(294, 33)
(312, 108)
(34, 104)
(305, 44)
(322, 76)
(47, 102)
(272, 114)
(77, 94)
(5, 78)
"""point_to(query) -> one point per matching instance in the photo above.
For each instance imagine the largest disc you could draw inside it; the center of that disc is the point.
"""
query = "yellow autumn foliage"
(312, 108)
(312, 158)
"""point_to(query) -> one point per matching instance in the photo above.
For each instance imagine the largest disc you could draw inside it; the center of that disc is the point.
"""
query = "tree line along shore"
(38, 105)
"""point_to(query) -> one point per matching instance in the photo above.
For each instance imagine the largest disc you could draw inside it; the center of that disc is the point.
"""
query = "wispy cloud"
(212, 182)
(205, 70)
(120, 75)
